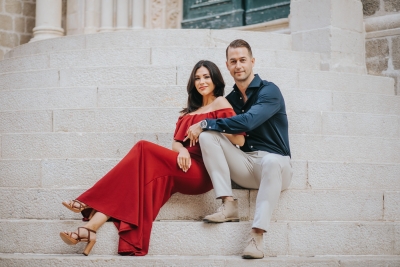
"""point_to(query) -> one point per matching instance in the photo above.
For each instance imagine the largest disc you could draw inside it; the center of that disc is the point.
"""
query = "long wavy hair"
(195, 99)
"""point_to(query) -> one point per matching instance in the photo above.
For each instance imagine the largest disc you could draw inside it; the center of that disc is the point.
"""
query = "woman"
(133, 192)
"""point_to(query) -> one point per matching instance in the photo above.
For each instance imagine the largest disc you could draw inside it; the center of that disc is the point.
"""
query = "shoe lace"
(221, 208)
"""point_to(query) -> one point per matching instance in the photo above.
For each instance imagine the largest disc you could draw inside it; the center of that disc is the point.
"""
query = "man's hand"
(193, 134)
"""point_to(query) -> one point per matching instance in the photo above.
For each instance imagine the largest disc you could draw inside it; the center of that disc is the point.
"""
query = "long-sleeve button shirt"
(263, 118)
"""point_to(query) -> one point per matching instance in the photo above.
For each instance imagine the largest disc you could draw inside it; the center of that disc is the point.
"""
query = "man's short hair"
(239, 43)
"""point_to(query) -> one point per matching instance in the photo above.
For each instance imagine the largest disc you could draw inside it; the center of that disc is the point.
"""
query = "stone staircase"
(72, 107)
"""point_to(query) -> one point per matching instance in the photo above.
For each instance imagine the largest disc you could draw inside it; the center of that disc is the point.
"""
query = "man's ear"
(253, 60)
(226, 63)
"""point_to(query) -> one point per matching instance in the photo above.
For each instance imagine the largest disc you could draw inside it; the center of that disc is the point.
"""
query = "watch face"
(203, 124)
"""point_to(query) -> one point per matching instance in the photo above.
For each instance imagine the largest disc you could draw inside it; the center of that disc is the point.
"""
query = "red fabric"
(133, 192)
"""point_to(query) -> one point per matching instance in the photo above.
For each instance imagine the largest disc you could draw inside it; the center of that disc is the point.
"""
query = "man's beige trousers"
(268, 172)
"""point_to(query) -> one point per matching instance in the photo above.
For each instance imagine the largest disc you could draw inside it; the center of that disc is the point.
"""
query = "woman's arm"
(221, 103)
(183, 159)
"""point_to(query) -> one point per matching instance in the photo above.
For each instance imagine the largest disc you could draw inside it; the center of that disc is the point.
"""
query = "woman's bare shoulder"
(220, 103)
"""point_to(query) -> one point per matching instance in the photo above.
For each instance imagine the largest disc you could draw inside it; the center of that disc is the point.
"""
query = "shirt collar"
(255, 83)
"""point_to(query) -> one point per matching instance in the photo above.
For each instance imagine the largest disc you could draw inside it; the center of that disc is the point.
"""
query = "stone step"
(83, 173)
(164, 119)
(151, 38)
(115, 145)
(158, 56)
(176, 96)
(294, 205)
(198, 239)
(62, 260)
(286, 79)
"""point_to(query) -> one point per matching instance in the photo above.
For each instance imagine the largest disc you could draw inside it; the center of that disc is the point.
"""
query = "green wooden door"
(221, 14)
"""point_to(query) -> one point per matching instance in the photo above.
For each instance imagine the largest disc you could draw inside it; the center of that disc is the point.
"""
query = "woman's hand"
(183, 159)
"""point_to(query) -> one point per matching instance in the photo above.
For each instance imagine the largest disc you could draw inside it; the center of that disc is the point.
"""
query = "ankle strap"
(90, 230)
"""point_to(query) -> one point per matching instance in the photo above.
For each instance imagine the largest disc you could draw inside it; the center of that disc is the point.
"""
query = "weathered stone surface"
(24, 38)
(6, 22)
(377, 47)
(360, 176)
(36, 62)
(30, 24)
(19, 23)
(20, 173)
(396, 52)
(392, 205)
(22, 121)
(370, 6)
(29, 9)
(8, 39)
(30, 79)
(13, 6)
(48, 98)
(376, 65)
(391, 5)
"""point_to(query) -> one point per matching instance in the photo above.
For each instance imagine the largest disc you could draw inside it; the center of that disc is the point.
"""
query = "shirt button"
(209, 127)
(223, 130)
(240, 98)
(248, 135)
(251, 146)
(242, 110)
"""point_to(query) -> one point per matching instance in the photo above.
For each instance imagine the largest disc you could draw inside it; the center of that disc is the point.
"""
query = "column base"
(43, 33)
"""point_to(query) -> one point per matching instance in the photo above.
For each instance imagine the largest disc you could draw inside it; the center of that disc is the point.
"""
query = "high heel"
(68, 239)
(71, 205)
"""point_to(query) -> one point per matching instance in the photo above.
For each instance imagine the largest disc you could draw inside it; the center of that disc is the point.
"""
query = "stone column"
(333, 28)
(107, 11)
(138, 14)
(122, 15)
(91, 16)
(48, 20)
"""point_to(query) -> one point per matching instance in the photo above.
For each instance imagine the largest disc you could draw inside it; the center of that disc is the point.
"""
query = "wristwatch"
(203, 124)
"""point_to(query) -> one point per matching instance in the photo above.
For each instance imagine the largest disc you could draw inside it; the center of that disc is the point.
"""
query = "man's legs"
(223, 161)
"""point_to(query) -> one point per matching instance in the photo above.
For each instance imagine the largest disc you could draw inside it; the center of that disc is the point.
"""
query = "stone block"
(360, 176)
(37, 62)
(51, 98)
(306, 40)
(341, 238)
(30, 79)
(303, 122)
(6, 23)
(100, 58)
(370, 261)
(392, 205)
(30, 24)
(324, 80)
(2, 54)
(116, 120)
(294, 60)
(75, 145)
(376, 66)
(391, 5)
(25, 38)
(386, 126)
(325, 205)
(365, 103)
(106, 76)
(13, 6)
(26, 122)
(299, 179)
(309, 15)
(261, 40)
(20, 173)
(29, 9)
(370, 7)
(19, 24)
(340, 40)
(377, 48)
(347, 15)
(307, 100)
(8, 39)
(143, 96)
(396, 52)
(50, 46)
(149, 38)
(344, 148)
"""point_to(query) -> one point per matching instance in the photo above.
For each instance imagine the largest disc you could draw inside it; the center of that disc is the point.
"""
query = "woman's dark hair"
(195, 99)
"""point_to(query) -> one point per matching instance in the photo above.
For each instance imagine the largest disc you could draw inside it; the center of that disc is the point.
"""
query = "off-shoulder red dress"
(133, 192)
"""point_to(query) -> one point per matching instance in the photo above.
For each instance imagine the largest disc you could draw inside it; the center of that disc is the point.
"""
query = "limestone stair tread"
(178, 75)
(294, 204)
(149, 38)
(171, 238)
(43, 260)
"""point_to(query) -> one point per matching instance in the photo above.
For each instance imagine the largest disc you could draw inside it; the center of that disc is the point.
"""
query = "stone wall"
(17, 19)
(382, 20)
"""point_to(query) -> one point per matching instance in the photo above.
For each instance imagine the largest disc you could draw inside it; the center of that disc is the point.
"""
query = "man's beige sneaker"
(228, 212)
(255, 248)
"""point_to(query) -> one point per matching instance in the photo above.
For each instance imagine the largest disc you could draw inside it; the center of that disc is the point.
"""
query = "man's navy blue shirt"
(263, 118)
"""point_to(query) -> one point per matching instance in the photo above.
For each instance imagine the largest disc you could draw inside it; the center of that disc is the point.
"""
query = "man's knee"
(270, 161)
(207, 137)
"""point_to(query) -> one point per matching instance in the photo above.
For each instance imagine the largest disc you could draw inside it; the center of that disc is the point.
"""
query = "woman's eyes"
(206, 77)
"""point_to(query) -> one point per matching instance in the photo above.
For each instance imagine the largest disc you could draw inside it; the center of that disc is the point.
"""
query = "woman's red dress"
(133, 192)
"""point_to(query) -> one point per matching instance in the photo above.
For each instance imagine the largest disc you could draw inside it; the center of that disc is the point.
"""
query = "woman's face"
(203, 82)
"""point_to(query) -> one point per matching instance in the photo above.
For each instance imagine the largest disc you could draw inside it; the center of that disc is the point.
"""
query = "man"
(263, 162)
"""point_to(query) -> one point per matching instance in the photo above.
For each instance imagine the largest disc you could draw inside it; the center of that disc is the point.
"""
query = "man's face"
(240, 64)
